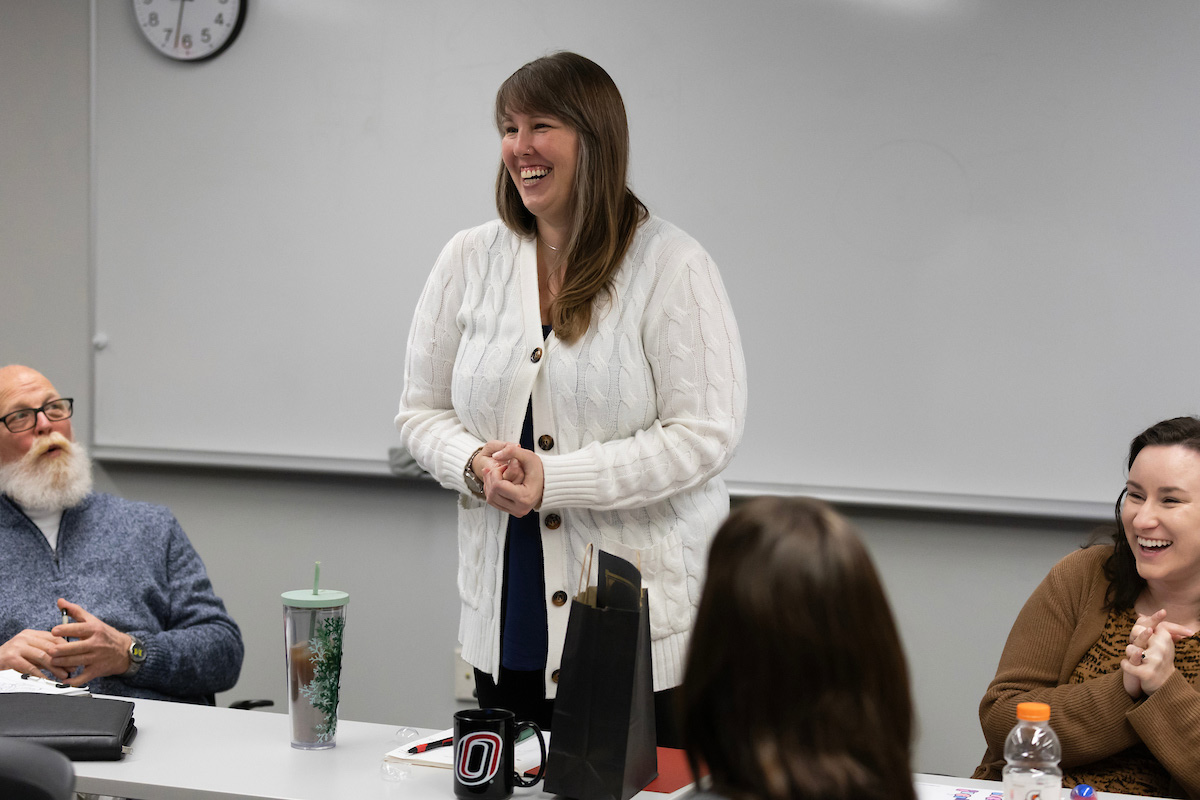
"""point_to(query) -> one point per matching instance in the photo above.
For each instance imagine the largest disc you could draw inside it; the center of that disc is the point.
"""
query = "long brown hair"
(1124, 582)
(796, 685)
(604, 211)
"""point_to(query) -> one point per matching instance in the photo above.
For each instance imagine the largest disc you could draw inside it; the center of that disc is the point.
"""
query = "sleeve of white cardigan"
(429, 427)
(695, 354)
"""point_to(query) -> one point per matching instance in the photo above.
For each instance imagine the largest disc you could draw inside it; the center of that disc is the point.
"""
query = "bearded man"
(96, 590)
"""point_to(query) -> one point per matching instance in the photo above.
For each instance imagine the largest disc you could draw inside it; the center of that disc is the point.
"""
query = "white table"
(190, 752)
(186, 752)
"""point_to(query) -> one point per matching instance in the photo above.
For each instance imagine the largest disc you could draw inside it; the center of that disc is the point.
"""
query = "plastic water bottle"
(1032, 752)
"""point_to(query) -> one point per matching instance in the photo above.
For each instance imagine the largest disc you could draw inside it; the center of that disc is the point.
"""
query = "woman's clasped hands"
(512, 477)
(1150, 655)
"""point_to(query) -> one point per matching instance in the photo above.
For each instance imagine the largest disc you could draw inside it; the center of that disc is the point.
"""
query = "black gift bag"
(603, 741)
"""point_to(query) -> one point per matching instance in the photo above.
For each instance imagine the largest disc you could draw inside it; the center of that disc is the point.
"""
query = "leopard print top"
(1135, 770)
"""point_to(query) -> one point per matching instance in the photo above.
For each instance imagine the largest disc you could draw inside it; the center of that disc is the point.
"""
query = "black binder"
(81, 728)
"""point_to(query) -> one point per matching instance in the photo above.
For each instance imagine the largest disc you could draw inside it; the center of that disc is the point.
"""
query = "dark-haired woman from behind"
(796, 685)
(1108, 638)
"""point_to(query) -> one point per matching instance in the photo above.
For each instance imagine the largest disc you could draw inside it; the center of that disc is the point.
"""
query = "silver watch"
(137, 655)
(471, 479)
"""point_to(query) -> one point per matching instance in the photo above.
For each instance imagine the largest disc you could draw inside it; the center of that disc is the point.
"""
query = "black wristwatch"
(137, 654)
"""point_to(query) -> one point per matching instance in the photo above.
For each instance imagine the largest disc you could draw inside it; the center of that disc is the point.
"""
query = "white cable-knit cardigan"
(634, 422)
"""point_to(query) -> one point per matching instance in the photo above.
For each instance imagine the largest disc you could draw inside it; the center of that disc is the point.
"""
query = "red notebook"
(673, 771)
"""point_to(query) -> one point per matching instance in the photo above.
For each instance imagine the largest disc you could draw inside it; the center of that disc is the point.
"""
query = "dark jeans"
(524, 694)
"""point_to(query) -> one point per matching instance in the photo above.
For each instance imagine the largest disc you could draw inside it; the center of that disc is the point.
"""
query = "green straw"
(312, 619)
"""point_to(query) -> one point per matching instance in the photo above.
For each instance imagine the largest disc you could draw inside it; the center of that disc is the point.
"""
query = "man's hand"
(100, 649)
(30, 652)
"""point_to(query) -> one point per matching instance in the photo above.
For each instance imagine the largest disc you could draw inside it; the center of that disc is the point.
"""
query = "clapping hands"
(1150, 655)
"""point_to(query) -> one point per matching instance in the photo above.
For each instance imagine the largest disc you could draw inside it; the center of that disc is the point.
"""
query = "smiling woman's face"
(1161, 514)
(540, 152)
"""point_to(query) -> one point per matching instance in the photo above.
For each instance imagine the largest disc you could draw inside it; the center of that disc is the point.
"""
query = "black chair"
(246, 705)
(34, 772)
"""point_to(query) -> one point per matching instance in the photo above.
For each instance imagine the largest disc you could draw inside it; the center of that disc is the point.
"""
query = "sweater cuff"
(570, 479)
(1169, 702)
(456, 451)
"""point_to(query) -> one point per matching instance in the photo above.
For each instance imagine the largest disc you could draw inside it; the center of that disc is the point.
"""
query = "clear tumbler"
(313, 626)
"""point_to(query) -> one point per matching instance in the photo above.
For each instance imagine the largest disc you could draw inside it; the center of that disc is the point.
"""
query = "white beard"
(48, 485)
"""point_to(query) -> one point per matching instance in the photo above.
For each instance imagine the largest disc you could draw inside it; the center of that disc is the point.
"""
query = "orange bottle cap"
(1033, 712)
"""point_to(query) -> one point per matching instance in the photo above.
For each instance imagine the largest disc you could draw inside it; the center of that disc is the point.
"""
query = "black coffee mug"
(483, 754)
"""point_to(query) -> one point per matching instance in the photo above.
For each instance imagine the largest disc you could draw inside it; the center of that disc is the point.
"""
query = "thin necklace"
(558, 262)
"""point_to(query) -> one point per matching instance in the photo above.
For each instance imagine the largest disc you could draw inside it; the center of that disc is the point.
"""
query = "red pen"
(421, 748)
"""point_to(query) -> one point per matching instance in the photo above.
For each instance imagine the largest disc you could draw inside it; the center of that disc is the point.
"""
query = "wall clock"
(190, 30)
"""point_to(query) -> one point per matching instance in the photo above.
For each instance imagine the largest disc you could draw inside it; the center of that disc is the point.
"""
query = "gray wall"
(959, 189)
(956, 581)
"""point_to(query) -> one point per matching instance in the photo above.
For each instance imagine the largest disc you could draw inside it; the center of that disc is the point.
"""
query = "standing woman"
(575, 372)
(1108, 638)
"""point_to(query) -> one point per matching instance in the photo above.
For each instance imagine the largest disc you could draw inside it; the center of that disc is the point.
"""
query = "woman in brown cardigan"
(1108, 638)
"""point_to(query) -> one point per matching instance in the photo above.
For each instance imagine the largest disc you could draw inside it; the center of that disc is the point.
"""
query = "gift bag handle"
(586, 568)
(585, 571)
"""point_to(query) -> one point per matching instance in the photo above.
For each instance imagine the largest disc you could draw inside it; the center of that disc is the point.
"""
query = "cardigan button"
(559, 598)
(553, 521)
(554, 676)
(545, 441)
(536, 355)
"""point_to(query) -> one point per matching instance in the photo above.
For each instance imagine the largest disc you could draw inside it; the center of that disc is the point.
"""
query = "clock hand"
(179, 24)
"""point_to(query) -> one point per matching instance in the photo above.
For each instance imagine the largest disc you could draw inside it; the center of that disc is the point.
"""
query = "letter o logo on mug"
(485, 766)
(477, 757)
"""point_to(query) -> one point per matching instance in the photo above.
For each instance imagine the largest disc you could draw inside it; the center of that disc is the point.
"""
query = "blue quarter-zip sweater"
(131, 565)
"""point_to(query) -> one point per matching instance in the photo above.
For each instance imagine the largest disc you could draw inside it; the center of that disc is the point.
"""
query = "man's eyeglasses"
(23, 419)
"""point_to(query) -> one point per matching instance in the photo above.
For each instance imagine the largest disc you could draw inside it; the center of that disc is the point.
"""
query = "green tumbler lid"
(324, 598)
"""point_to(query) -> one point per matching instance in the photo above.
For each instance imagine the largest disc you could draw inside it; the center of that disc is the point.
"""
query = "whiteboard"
(960, 236)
